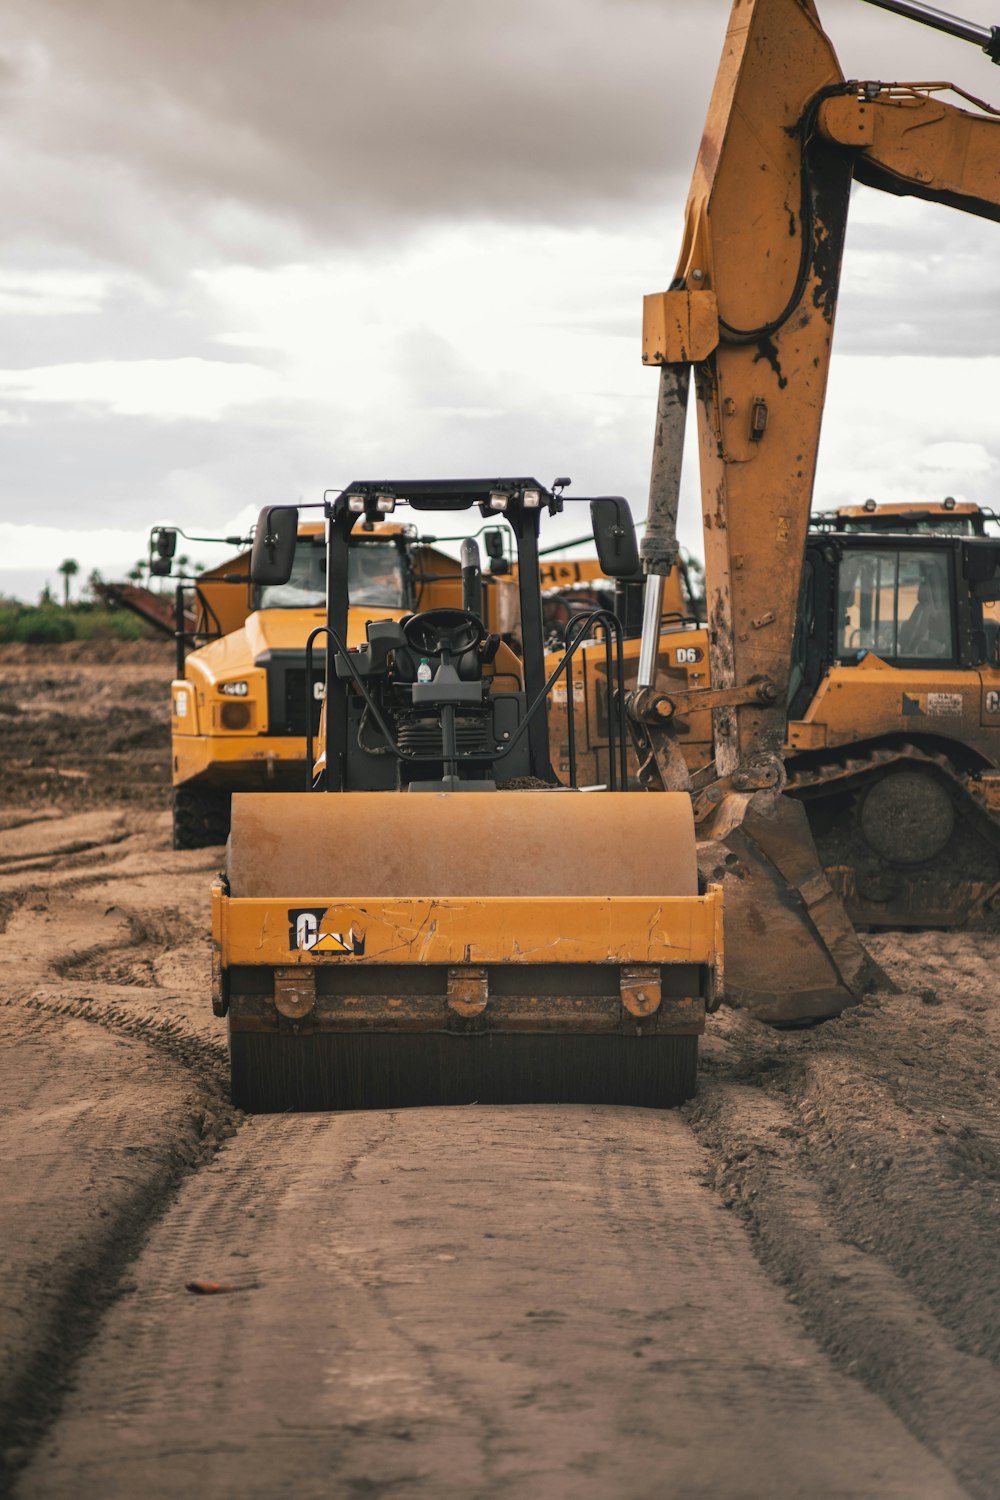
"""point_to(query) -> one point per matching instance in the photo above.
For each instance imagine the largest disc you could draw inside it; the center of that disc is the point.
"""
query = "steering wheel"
(454, 630)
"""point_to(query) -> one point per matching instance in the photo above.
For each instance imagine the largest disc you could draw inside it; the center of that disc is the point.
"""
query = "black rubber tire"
(370, 1070)
(201, 817)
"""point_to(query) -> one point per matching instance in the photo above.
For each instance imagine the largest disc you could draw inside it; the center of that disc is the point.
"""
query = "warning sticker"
(935, 705)
(305, 935)
(944, 703)
(559, 691)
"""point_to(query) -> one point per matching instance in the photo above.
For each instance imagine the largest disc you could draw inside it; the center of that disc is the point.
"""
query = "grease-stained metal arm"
(906, 141)
(659, 549)
(986, 37)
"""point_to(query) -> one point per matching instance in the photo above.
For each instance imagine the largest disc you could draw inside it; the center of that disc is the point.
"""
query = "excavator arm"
(751, 310)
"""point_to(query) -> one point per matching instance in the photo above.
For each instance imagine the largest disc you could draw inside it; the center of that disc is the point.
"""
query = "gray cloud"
(162, 136)
(261, 127)
(148, 141)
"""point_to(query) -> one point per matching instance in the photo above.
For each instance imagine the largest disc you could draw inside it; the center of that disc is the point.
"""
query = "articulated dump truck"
(438, 920)
(239, 713)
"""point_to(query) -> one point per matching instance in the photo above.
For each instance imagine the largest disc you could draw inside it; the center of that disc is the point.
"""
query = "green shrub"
(44, 626)
(96, 624)
(48, 624)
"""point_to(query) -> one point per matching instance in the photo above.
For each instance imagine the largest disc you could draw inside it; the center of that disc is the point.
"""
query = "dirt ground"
(788, 1288)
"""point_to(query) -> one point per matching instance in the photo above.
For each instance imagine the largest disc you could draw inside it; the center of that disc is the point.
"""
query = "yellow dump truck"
(239, 715)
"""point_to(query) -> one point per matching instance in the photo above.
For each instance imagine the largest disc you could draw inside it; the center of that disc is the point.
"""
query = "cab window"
(896, 603)
(374, 577)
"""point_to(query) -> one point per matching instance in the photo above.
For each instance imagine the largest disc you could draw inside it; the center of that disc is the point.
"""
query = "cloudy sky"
(256, 248)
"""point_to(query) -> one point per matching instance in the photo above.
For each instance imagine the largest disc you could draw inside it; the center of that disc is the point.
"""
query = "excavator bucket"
(376, 950)
(791, 952)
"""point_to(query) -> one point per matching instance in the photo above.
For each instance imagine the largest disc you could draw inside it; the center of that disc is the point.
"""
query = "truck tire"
(201, 817)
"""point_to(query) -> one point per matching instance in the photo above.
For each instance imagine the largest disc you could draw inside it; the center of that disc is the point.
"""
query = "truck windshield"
(375, 577)
(933, 525)
(895, 603)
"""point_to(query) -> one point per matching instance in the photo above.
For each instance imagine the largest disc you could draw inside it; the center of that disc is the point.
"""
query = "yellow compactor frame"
(448, 948)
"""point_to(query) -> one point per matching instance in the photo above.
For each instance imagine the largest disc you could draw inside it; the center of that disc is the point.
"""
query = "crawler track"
(959, 886)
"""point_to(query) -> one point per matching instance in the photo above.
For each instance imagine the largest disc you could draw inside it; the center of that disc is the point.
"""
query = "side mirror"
(274, 544)
(162, 546)
(493, 539)
(614, 536)
(980, 565)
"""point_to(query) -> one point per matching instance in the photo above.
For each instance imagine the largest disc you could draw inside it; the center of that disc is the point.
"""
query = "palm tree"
(68, 569)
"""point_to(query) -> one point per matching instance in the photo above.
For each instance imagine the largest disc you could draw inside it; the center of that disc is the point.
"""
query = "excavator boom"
(751, 309)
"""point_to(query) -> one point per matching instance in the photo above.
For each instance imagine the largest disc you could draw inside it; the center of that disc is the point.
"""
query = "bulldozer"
(682, 659)
(893, 738)
(239, 716)
(437, 920)
(852, 677)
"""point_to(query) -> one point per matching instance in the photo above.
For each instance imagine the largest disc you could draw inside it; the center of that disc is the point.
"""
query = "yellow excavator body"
(850, 768)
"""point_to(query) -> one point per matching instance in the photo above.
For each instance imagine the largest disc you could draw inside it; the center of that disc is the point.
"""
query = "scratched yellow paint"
(420, 930)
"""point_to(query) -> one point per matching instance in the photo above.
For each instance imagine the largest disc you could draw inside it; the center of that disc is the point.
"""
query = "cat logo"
(305, 935)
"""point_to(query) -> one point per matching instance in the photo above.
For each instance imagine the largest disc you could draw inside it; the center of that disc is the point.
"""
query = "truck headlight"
(235, 715)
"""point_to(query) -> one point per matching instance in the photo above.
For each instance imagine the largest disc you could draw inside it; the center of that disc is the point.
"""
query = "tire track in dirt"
(447, 1304)
(109, 1092)
(95, 1133)
(828, 1145)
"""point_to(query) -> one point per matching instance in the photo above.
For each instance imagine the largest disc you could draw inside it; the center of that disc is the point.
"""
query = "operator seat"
(926, 632)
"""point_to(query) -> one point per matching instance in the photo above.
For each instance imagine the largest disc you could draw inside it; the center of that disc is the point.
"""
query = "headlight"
(235, 715)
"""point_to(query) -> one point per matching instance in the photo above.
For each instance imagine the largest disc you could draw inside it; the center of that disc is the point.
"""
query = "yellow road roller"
(439, 921)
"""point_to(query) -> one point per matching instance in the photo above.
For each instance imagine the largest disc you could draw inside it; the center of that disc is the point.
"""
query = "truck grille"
(286, 692)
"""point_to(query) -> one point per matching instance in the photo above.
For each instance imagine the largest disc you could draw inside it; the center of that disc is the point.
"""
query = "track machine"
(435, 920)
(750, 313)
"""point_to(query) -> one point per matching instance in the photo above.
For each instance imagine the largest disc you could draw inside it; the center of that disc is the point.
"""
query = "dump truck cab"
(438, 921)
(240, 714)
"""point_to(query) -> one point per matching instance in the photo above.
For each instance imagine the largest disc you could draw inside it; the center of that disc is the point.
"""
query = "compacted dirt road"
(788, 1288)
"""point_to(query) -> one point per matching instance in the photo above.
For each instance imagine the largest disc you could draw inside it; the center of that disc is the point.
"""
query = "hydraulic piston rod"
(987, 37)
(659, 544)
